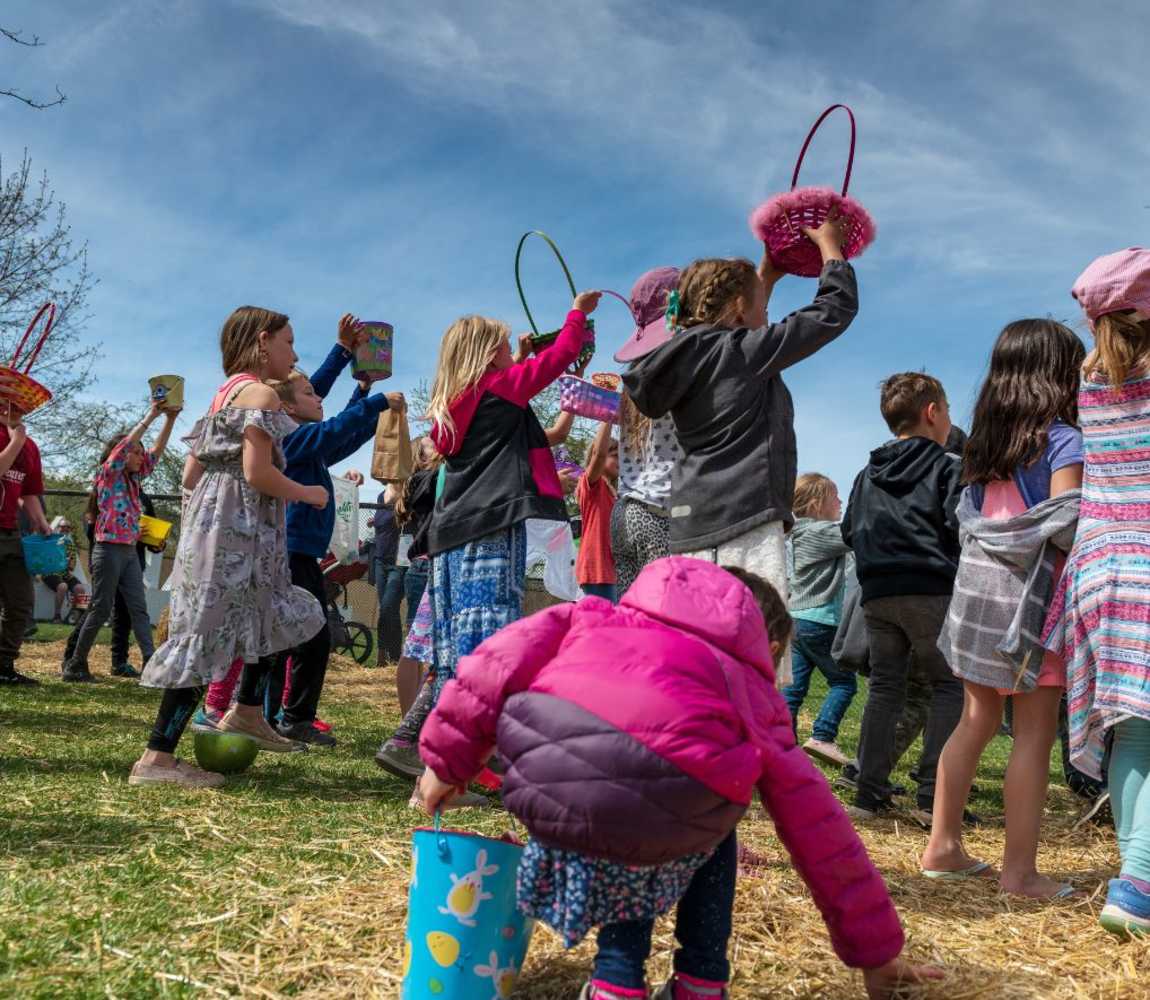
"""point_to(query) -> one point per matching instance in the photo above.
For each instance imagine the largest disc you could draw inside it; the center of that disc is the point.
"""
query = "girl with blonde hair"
(498, 471)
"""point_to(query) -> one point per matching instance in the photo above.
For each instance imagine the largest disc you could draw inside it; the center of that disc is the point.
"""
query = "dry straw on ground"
(337, 931)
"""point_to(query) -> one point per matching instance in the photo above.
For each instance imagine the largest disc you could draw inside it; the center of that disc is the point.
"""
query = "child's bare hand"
(17, 431)
(886, 981)
(315, 496)
(354, 476)
(351, 332)
(433, 794)
(523, 351)
(768, 273)
(397, 401)
(829, 236)
(587, 302)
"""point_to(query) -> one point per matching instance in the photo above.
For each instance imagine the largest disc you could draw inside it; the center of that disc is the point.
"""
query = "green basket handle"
(519, 283)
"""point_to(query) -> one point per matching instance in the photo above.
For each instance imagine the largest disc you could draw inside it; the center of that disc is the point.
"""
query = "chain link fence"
(352, 591)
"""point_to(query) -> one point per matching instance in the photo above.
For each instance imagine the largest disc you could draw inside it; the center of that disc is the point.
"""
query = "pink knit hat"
(649, 307)
(1115, 282)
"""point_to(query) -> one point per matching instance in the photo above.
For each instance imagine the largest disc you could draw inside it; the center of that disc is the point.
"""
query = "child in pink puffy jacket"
(633, 777)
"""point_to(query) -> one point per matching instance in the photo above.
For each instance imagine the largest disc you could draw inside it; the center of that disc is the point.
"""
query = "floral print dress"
(232, 595)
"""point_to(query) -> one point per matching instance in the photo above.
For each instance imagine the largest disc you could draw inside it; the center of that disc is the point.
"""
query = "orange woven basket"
(17, 388)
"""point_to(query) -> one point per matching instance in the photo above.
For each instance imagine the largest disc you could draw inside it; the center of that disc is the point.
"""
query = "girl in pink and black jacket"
(632, 779)
(498, 471)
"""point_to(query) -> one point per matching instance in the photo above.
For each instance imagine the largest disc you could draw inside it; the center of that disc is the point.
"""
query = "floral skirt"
(573, 893)
(419, 636)
(476, 589)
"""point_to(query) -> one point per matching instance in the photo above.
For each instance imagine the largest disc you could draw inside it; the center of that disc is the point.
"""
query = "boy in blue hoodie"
(309, 451)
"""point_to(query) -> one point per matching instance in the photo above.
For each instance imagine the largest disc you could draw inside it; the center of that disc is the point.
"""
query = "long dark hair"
(93, 500)
(1035, 368)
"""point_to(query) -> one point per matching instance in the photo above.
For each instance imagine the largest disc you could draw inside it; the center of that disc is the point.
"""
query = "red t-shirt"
(25, 478)
(595, 564)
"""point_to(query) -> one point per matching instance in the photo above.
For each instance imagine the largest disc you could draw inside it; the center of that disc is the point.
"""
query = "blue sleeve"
(1063, 446)
(359, 393)
(339, 437)
(325, 375)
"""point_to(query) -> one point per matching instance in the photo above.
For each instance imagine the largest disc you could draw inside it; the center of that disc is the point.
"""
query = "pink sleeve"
(117, 459)
(459, 735)
(523, 382)
(824, 847)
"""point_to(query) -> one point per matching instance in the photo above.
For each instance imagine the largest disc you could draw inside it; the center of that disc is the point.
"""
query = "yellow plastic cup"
(168, 390)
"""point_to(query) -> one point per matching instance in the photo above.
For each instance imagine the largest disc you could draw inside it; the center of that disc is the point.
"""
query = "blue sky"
(322, 156)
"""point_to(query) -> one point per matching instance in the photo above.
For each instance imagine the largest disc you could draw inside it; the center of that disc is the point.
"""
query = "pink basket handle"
(50, 309)
(810, 135)
(626, 302)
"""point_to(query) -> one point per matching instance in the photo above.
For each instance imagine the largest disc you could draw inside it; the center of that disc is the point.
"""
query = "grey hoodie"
(733, 415)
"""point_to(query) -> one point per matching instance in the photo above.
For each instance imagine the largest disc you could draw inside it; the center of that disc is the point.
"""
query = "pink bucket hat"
(649, 307)
(1117, 281)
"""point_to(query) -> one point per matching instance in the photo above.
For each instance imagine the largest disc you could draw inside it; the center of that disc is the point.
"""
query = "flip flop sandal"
(976, 870)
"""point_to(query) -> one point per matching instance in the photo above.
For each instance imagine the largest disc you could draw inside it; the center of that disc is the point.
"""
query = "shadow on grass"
(75, 833)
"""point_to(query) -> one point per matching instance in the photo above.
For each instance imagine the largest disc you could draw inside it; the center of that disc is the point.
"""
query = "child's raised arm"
(774, 348)
(460, 734)
(530, 377)
(165, 435)
(597, 456)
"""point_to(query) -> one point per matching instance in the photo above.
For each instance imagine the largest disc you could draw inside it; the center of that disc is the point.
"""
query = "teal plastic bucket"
(45, 554)
(466, 939)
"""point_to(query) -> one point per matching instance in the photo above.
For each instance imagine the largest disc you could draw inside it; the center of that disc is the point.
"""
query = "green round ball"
(226, 753)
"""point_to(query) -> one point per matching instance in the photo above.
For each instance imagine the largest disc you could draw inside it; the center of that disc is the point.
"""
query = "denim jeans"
(605, 590)
(115, 567)
(812, 649)
(414, 584)
(702, 928)
(389, 580)
(897, 628)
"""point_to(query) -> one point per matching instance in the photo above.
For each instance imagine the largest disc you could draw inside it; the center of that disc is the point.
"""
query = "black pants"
(897, 628)
(308, 660)
(176, 708)
(16, 597)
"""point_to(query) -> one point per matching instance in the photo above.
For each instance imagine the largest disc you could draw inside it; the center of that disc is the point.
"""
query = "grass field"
(292, 881)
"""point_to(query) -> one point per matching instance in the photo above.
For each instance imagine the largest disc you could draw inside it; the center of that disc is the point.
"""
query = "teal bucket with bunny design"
(466, 939)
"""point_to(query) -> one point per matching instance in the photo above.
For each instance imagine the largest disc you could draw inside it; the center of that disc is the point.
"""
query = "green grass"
(112, 891)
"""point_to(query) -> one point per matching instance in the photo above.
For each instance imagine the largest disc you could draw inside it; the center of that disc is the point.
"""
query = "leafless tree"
(40, 262)
(17, 38)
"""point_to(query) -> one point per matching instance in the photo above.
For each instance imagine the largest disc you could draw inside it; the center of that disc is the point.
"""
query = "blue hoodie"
(313, 447)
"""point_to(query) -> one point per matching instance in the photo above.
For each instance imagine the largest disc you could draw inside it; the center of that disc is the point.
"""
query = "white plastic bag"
(345, 537)
(551, 543)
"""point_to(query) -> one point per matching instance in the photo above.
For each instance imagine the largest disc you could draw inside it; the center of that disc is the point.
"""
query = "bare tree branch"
(38, 105)
(39, 262)
(17, 38)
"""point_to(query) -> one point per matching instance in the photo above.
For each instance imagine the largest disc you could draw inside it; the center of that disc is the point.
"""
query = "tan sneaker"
(260, 733)
(180, 773)
(829, 753)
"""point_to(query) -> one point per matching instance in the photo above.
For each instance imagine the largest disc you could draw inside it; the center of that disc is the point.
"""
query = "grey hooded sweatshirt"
(733, 415)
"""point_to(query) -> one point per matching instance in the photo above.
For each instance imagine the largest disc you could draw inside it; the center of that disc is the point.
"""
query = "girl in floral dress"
(232, 595)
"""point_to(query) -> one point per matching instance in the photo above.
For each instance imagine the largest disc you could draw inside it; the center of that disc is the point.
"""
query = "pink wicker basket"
(779, 222)
(586, 399)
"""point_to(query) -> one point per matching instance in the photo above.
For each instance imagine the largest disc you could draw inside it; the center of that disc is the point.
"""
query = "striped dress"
(1099, 621)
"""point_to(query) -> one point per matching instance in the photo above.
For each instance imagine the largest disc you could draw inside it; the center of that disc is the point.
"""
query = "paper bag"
(391, 458)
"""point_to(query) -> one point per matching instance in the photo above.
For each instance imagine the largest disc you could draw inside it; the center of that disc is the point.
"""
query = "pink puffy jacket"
(640, 733)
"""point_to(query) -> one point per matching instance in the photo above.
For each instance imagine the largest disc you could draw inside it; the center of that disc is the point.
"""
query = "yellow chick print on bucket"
(443, 947)
(467, 893)
(504, 979)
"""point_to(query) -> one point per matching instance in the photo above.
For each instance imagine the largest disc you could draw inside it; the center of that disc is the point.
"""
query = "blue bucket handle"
(441, 839)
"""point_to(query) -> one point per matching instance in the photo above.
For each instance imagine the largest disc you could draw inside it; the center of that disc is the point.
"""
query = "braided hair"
(709, 289)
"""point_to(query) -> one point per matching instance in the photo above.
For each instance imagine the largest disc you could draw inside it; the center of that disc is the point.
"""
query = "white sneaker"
(829, 753)
(180, 773)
